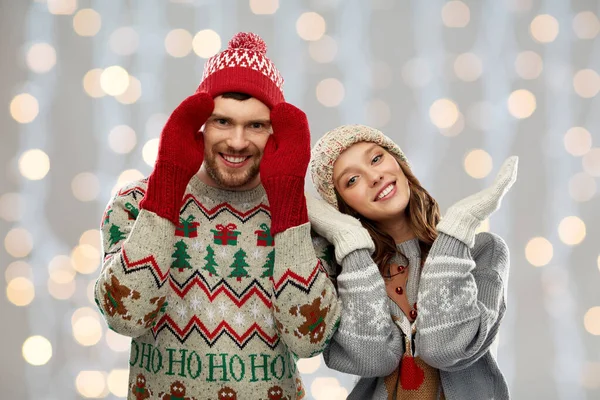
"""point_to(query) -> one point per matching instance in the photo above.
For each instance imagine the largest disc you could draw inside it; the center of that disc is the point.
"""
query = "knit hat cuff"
(242, 80)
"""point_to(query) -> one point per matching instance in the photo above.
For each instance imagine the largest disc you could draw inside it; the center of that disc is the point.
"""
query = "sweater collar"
(253, 196)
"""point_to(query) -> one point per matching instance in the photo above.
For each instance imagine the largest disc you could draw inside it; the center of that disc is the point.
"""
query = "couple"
(224, 273)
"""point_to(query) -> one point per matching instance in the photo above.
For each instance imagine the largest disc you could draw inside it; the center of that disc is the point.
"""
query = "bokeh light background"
(87, 85)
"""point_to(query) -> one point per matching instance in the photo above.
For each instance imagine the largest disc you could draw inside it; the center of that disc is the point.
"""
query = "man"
(209, 264)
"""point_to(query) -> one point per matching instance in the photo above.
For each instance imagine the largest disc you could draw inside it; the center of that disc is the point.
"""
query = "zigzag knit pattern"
(216, 307)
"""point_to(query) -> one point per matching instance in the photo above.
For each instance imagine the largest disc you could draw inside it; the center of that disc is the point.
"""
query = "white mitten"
(343, 231)
(463, 218)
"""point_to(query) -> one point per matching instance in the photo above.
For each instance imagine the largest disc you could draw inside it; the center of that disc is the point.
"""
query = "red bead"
(415, 306)
(413, 314)
(402, 269)
(399, 290)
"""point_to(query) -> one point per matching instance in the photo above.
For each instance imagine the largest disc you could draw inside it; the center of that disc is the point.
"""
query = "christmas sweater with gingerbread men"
(217, 308)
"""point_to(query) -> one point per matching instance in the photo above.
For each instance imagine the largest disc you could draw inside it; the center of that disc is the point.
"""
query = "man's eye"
(221, 121)
(257, 125)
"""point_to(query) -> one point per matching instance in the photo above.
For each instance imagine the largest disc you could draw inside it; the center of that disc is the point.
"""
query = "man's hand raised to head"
(180, 155)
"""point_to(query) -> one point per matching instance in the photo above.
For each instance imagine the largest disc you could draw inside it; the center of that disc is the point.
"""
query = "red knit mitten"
(283, 167)
(180, 155)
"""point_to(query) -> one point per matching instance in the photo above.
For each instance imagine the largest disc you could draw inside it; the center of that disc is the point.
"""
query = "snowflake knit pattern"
(217, 307)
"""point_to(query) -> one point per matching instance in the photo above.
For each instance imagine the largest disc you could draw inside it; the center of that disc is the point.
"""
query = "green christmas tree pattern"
(210, 261)
(268, 272)
(181, 257)
(239, 265)
(116, 235)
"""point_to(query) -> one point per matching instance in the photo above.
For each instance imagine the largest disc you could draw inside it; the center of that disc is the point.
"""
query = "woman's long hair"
(423, 214)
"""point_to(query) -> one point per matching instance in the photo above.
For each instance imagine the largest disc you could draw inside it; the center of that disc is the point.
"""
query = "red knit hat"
(243, 67)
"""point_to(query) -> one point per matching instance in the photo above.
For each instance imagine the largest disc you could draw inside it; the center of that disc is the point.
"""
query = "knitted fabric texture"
(217, 307)
(332, 144)
(460, 295)
(244, 67)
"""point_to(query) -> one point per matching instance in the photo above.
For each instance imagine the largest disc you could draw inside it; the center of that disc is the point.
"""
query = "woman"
(422, 298)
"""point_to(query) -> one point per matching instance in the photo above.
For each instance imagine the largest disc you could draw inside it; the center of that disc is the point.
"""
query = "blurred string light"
(62, 7)
(86, 327)
(178, 43)
(578, 141)
(309, 365)
(24, 108)
(310, 26)
(132, 93)
(206, 43)
(116, 342)
(323, 50)
(114, 80)
(18, 269)
(456, 14)
(150, 151)
(484, 226)
(37, 350)
(529, 65)
(85, 258)
(85, 186)
(478, 164)
(586, 25)
(127, 176)
(571, 230)
(91, 384)
(586, 83)
(330, 92)
(468, 67)
(122, 139)
(41, 57)
(87, 22)
(118, 382)
(20, 291)
(34, 164)
(91, 83)
(544, 28)
(18, 242)
(262, 7)
(591, 162)
(61, 281)
(443, 113)
(90, 292)
(521, 103)
(456, 128)
(327, 389)
(539, 251)
(591, 321)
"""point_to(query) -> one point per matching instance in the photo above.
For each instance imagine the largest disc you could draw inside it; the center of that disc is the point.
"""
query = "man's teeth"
(385, 192)
(235, 160)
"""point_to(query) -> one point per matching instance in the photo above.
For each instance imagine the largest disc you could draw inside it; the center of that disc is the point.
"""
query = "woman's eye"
(352, 181)
(376, 158)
